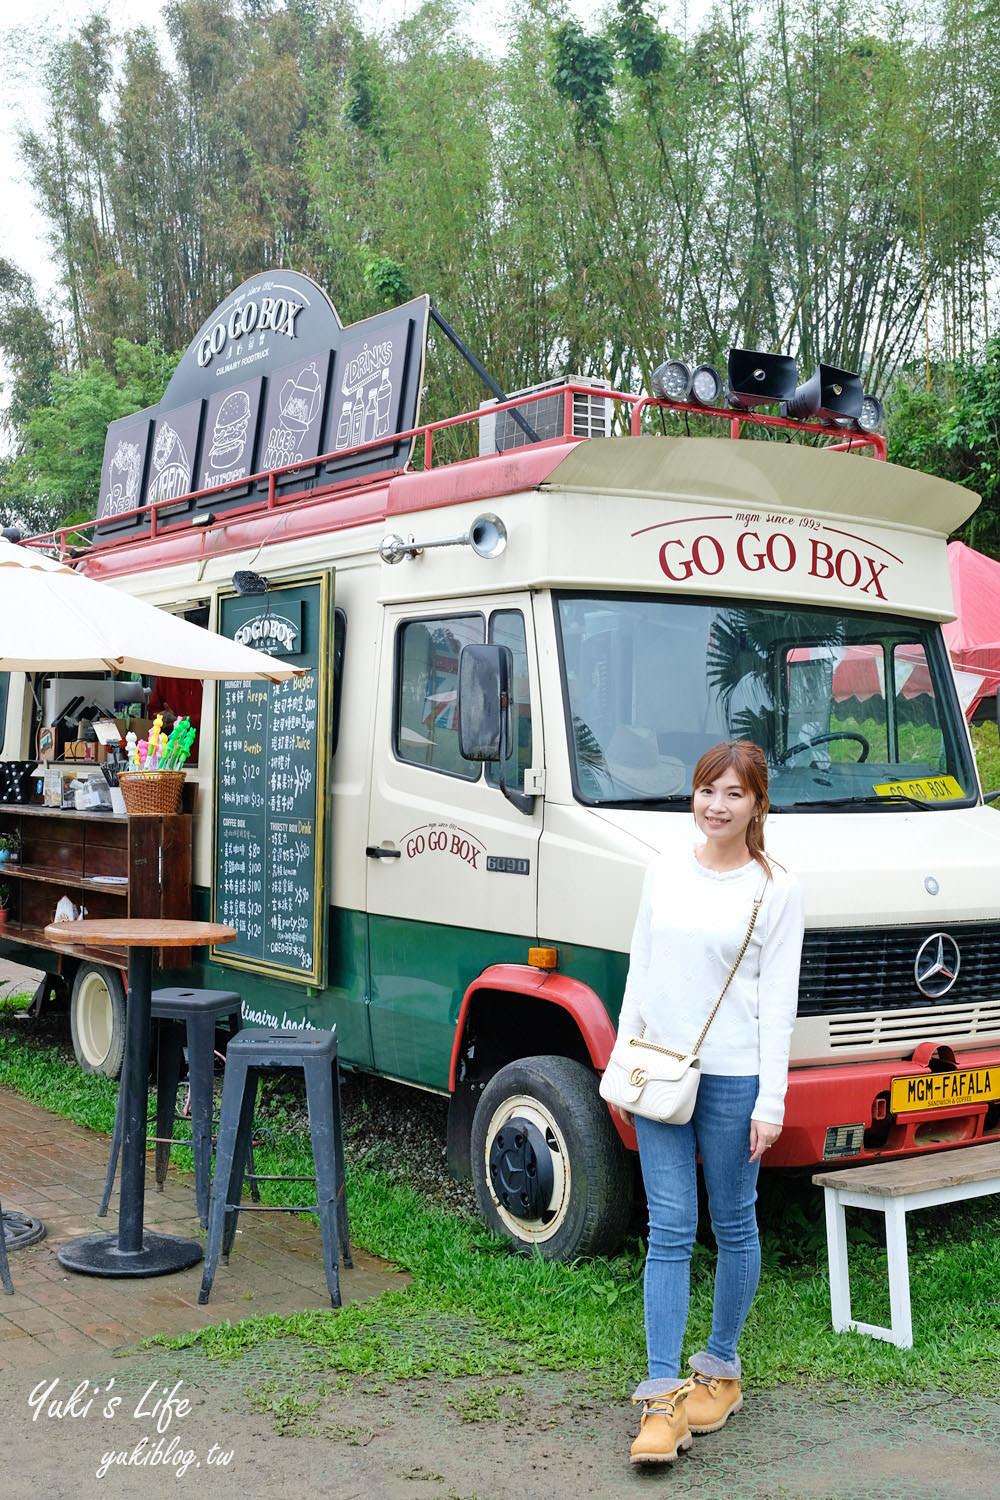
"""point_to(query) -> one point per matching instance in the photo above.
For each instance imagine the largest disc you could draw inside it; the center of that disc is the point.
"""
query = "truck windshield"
(852, 711)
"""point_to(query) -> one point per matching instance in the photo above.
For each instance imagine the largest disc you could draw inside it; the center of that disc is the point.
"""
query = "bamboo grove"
(815, 178)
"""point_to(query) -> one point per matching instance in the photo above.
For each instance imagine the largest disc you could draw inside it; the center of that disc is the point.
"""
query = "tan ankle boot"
(663, 1432)
(710, 1401)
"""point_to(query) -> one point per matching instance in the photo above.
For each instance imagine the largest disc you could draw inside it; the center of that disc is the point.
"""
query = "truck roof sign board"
(270, 378)
(175, 444)
(126, 451)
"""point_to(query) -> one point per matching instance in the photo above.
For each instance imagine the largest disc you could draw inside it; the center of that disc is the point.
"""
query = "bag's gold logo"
(637, 1078)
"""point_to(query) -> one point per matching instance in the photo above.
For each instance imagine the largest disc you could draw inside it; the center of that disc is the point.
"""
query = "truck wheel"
(97, 1019)
(549, 1169)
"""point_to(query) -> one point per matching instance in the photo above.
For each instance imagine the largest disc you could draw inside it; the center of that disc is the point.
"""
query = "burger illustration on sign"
(229, 434)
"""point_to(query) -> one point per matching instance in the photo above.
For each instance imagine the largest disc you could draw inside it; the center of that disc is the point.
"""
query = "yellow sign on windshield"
(934, 789)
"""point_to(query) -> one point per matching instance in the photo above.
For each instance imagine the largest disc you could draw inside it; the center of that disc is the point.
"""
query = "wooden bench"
(894, 1188)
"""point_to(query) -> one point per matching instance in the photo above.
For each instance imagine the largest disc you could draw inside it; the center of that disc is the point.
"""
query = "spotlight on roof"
(676, 381)
(828, 394)
(758, 379)
(871, 415)
(868, 419)
(671, 381)
(706, 386)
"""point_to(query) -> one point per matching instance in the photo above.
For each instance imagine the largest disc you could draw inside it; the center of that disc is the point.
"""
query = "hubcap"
(521, 1168)
(539, 1216)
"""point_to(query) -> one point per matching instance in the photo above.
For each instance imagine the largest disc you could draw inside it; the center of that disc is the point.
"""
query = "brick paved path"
(54, 1171)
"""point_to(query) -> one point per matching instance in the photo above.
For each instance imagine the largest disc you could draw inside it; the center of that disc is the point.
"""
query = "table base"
(99, 1255)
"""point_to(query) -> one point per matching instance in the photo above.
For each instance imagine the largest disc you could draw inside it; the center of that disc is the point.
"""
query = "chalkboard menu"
(270, 786)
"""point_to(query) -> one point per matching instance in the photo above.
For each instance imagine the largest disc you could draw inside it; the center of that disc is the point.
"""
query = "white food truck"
(464, 923)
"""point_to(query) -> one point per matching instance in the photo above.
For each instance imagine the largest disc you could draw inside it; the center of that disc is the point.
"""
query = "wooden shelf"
(13, 932)
(19, 871)
(65, 852)
(30, 810)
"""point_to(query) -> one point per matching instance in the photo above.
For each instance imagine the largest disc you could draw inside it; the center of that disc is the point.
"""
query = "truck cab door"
(452, 864)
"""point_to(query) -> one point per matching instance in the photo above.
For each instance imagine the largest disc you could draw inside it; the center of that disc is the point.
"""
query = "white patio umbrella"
(54, 619)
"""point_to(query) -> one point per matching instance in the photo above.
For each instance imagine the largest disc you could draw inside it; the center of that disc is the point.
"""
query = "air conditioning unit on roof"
(591, 415)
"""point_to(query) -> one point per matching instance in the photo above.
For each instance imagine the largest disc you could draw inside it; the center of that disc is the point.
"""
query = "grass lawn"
(475, 1309)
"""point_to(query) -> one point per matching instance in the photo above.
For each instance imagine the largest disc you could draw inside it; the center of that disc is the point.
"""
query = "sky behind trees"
(795, 175)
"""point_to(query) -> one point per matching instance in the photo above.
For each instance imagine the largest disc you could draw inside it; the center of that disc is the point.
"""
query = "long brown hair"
(747, 760)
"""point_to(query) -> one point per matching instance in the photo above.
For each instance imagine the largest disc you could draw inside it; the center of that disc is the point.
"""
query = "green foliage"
(364, 105)
(12, 1004)
(388, 280)
(984, 742)
(56, 477)
(29, 343)
(915, 436)
(583, 72)
(567, 205)
(472, 1309)
(957, 437)
(640, 41)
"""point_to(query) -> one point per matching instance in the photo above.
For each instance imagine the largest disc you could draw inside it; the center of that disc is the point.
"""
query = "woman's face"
(723, 809)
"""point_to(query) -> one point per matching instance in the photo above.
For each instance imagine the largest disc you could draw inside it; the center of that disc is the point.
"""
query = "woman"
(692, 921)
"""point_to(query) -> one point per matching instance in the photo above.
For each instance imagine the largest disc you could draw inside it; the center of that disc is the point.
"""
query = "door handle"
(375, 853)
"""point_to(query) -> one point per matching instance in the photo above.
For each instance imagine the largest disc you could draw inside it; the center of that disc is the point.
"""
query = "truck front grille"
(852, 969)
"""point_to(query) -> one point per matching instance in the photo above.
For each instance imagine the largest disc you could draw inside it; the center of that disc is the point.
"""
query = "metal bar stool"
(250, 1053)
(5, 1280)
(190, 1017)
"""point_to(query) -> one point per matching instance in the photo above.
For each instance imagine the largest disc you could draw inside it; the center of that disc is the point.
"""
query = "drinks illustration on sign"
(366, 380)
(171, 464)
(298, 408)
(125, 476)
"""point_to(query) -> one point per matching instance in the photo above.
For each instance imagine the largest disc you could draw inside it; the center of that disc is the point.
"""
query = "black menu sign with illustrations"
(171, 465)
(292, 424)
(272, 377)
(229, 440)
(376, 389)
(270, 786)
(126, 453)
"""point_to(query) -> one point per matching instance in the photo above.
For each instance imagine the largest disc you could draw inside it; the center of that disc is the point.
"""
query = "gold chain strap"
(637, 1041)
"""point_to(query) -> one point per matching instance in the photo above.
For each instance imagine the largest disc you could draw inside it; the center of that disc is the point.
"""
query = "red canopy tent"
(973, 640)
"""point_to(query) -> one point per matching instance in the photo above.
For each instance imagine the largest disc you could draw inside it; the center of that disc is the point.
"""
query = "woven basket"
(151, 791)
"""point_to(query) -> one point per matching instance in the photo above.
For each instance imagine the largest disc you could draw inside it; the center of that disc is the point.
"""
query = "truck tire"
(97, 1019)
(549, 1169)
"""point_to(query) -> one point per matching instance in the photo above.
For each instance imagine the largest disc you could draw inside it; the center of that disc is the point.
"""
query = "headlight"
(671, 381)
(871, 414)
(706, 386)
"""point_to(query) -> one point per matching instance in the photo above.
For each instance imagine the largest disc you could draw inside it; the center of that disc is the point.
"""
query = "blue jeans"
(720, 1131)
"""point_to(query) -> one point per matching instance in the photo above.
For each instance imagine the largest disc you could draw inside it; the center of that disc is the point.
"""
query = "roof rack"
(69, 541)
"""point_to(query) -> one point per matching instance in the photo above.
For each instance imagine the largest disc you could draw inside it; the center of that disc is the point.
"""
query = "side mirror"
(484, 677)
(484, 674)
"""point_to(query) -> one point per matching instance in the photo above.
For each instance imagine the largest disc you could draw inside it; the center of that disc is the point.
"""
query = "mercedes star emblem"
(937, 964)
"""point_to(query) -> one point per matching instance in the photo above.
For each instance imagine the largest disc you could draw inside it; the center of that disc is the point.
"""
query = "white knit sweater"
(690, 926)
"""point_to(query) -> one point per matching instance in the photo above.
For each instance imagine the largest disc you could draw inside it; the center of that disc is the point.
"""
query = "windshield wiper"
(676, 799)
(844, 803)
(902, 797)
(822, 804)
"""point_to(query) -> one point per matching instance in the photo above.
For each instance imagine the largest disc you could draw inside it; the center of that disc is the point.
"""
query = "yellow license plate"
(940, 1090)
(932, 789)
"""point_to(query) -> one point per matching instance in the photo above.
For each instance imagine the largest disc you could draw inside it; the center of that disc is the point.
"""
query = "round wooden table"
(134, 1251)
